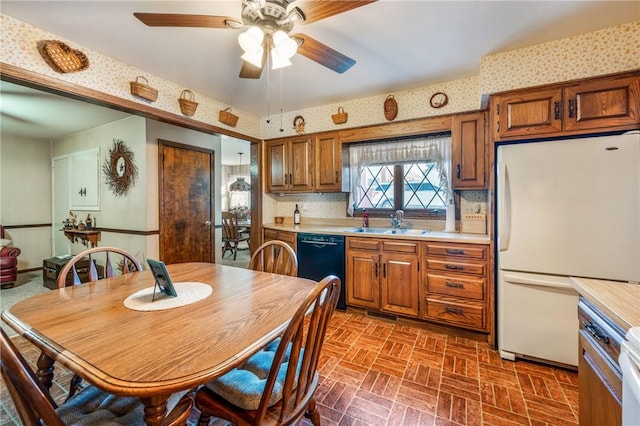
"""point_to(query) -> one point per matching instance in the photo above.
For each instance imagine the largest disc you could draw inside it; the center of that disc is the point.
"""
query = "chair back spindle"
(276, 257)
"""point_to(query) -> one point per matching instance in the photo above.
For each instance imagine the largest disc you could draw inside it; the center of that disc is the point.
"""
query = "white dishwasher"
(629, 361)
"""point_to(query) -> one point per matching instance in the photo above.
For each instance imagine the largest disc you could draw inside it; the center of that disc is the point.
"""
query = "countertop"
(618, 300)
(454, 237)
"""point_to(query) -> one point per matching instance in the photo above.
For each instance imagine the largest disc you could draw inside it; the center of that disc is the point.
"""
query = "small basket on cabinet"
(143, 90)
(227, 117)
(187, 102)
(341, 117)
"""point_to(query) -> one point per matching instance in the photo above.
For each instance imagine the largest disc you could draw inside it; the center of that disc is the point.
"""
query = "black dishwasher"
(321, 255)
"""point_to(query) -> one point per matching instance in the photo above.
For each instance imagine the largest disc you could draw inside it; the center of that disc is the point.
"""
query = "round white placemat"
(188, 292)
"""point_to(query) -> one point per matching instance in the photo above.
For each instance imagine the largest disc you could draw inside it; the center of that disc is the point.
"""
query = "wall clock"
(438, 100)
(120, 169)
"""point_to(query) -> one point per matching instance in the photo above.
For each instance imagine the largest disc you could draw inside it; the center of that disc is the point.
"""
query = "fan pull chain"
(281, 84)
(268, 87)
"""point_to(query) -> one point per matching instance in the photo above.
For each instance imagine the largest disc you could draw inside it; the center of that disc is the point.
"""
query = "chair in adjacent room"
(275, 256)
(8, 261)
(90, 406)
(277, 384)
(231, 235)
(113, 260)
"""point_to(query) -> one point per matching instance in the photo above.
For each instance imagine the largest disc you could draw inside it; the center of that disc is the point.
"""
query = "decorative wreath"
(119, 168)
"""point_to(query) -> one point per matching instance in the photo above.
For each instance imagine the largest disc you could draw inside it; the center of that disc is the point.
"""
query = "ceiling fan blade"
(183, 20)
(320, 9)
(250, 71)
(323, 54)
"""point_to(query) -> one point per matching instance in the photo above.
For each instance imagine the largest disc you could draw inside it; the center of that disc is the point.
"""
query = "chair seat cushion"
(244, 386)
(91, 406)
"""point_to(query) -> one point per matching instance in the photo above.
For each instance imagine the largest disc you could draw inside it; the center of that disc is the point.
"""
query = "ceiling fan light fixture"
(254, 57)
(251, 40)
(284, 45)
(278, 61)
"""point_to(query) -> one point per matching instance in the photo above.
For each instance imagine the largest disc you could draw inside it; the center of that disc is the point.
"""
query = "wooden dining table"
(153, 354)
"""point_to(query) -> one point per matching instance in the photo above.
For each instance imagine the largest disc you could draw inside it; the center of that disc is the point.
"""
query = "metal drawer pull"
(456, 267)
(453, 310)
(453, 285)
(596, 331)
(455, 251)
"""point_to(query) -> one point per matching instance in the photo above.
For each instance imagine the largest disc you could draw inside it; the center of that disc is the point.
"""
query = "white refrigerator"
(564, 208)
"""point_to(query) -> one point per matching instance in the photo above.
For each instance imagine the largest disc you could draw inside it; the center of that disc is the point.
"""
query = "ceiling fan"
(269, 23)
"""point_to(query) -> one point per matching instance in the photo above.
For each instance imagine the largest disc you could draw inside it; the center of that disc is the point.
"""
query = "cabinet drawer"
(453, 285)
(288, 237)
(600, 332)
(363, 244)
(456, 250)
(455, 265)
(455, 312)
(270, 234)
(399, 247)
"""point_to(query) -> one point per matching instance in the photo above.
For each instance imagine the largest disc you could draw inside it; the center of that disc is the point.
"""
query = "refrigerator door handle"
(504, 207)
(537, 281)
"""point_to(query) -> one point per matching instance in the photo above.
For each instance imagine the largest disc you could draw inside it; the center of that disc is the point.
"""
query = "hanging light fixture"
(240, 184)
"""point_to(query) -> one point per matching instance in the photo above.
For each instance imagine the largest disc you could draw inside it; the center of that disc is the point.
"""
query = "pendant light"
(240, 184)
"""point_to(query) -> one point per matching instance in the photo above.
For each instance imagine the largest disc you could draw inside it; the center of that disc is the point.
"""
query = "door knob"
(208, 223)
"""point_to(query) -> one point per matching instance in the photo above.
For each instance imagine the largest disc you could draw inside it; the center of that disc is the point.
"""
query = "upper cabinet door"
(84, 180)
(468, 151)
(602, 104)
(328, 160)
(301, 164)
(528, 114)
(276, 167)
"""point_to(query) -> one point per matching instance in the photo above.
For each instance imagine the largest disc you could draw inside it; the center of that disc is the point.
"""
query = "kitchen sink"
(398, 231)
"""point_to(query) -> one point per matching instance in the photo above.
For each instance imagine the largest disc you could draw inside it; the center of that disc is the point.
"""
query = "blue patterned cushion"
(244, 386)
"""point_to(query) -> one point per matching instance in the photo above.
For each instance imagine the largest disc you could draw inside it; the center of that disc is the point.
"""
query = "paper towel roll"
(450, 222)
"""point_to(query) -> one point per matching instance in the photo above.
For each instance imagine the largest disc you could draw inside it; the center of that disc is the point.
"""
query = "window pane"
(375, 189)
(421, 187)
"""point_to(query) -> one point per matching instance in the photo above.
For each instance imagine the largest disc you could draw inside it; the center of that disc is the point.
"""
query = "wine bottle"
(296, 216)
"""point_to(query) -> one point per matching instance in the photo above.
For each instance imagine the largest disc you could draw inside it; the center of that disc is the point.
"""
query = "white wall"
(25, 196)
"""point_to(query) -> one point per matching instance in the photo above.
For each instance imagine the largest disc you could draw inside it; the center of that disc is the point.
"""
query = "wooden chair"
(277, 384)
(115, 260)
(275, 256)
(124, 263)
(231, 235)
(91, 406)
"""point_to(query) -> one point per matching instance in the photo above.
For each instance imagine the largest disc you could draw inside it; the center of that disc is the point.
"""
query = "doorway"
(186, 197)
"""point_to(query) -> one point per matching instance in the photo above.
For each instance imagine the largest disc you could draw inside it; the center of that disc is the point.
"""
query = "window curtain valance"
(424, 150)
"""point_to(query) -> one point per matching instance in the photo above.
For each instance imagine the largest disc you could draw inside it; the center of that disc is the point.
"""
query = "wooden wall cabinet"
(304, 164)
(383, 275)
(456, 285)
(599, 375)
(469, 151)
(328, 162)
(286, 236)
(289, 164)
(609, 103)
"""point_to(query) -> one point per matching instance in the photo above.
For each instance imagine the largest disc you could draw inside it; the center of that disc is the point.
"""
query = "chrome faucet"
(397, 218)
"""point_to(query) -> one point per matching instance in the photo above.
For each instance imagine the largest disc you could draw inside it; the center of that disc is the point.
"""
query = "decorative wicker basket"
(187, 102)
(143, 90)
(390, 108)
(341, 117)
(61, 57)
(227, 117)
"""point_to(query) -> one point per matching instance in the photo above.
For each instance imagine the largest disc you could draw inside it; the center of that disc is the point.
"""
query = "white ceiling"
(397, 44)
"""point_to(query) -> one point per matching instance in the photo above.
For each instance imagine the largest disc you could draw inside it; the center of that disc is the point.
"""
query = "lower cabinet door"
(362, 280)
(399, 284)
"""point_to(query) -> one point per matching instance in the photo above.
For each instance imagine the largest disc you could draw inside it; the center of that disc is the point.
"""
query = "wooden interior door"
(186, 203)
